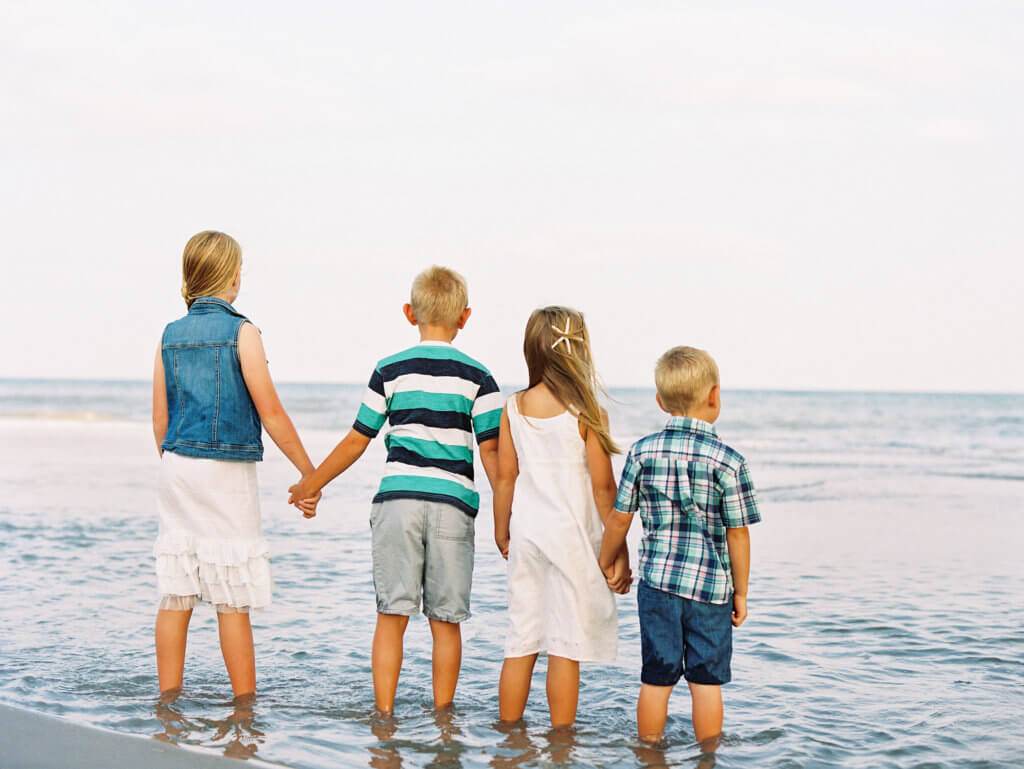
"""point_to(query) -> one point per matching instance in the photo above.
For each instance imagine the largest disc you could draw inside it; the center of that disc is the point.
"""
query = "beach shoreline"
(31, 740)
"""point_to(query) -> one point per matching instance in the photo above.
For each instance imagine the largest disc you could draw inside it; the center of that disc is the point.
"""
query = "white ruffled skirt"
(210, 546)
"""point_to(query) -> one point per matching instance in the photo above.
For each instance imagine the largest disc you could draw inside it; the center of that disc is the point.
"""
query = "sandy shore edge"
(30, 740)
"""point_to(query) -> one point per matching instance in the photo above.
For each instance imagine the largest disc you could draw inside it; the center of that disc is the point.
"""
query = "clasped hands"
(618, 576)
(304, 497)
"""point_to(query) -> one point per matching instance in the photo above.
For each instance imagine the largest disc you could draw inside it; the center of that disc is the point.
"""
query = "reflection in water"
(385, 755)
(561, 742)
(517, 748)
(448, 756)
(239, 729)
(445, 752)
(651, 755)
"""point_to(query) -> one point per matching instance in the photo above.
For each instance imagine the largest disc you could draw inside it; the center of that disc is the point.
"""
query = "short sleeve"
(739, 500)
(373, 411)
(627, 500)
(487, 408)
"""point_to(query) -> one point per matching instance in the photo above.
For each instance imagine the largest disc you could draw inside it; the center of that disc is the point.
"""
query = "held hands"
(501, 540)
(304, 497)
(619, 575)
(739, 609)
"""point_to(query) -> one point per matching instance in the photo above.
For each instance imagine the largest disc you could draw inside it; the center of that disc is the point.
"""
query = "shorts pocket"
(453, 524)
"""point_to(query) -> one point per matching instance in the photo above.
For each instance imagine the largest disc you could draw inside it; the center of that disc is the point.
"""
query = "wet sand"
(33, 741)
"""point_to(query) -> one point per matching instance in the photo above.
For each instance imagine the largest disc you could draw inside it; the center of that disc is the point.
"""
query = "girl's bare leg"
(387, 659)
(652, 711)
(239, 655)
(447, 659)
(171, 634)
(514, 687)
(563, 690)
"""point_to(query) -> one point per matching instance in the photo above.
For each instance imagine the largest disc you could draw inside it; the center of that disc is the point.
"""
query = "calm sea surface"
(886, 607)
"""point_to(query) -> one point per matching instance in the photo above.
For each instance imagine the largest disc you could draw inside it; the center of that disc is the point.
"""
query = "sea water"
(886, 596)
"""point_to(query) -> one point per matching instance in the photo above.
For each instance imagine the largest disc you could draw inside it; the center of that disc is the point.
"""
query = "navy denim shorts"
(680, 637)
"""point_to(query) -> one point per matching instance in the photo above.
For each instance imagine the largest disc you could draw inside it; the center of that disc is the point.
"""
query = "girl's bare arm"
(602, 481)
(264, 396)
(602, 478)
(159, 401)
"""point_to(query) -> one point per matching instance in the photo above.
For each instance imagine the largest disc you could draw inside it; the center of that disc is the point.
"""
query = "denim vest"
(209, 411)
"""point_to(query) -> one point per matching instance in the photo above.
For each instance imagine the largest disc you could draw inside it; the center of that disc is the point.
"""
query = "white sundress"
(210, 546)
(558, 599)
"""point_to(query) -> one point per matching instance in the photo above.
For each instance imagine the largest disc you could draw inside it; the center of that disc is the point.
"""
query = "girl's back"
(553, 503)
(559, 601)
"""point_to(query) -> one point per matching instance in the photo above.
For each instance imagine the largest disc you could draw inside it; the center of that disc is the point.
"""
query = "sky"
(824, 195)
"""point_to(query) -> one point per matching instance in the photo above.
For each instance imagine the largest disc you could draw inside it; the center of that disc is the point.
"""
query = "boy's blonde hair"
(209, 264)
(556, 346)
(684, 376)
(439, 295)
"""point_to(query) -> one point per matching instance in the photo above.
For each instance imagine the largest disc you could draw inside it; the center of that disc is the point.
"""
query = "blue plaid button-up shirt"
(689, 488)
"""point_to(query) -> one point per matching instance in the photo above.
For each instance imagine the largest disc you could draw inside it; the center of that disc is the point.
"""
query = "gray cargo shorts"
(422, 549)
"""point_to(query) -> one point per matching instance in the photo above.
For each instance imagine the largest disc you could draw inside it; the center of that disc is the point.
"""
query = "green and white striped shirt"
(435, 399)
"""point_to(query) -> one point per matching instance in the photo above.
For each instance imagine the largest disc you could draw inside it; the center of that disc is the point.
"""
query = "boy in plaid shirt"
(695, 499)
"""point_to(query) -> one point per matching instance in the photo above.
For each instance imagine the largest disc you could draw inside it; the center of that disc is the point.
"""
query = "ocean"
(886, 602)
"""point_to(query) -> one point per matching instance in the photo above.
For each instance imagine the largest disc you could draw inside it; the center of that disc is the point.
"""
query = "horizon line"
(517, 386)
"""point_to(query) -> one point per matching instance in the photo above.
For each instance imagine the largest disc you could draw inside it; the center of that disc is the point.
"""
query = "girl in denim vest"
(212, 395)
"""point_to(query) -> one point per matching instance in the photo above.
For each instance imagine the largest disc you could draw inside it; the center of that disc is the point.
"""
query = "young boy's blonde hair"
(684, 376)
(439, 295)
(209, 264)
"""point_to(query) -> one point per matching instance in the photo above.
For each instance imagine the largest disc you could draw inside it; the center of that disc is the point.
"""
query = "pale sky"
(823, 195)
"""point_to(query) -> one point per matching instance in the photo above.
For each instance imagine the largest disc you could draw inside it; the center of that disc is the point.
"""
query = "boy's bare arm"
(338, 461)
(615, 528)
(489, 459)
(738, 541)
(504, 484)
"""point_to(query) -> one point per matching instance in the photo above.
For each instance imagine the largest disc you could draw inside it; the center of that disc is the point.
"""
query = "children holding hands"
(559, 519)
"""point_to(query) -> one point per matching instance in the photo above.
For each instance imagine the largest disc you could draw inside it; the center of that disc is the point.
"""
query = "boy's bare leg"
(236, 647)
(652, 711)
(514, 687)
(170, 634)
(387, 659)
(707, 711)
(563, 690)
(447, 660)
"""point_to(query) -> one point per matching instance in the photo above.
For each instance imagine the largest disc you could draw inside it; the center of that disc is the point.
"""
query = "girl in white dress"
(555, 488)
(212, 398)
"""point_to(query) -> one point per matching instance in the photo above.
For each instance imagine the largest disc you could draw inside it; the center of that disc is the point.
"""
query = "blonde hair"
(684, 376)
(557, 351)
(209, 264)
(439, 295)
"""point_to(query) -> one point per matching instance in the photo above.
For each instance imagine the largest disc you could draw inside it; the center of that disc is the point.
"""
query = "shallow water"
(886, 596)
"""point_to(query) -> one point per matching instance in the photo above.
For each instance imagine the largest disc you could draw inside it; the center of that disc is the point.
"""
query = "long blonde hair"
(557, 351)
(209, 264)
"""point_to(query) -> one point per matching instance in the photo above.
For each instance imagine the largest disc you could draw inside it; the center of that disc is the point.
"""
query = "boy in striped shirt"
(436, 400)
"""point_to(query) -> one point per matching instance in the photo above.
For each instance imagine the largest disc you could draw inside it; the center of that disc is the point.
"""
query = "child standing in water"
(555, 488)
(436, 400)
(211, 393)
(696, 499)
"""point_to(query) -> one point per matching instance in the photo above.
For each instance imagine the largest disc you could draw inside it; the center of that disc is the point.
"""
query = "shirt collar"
(690, 425)
(434, 343)
(211, 304)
